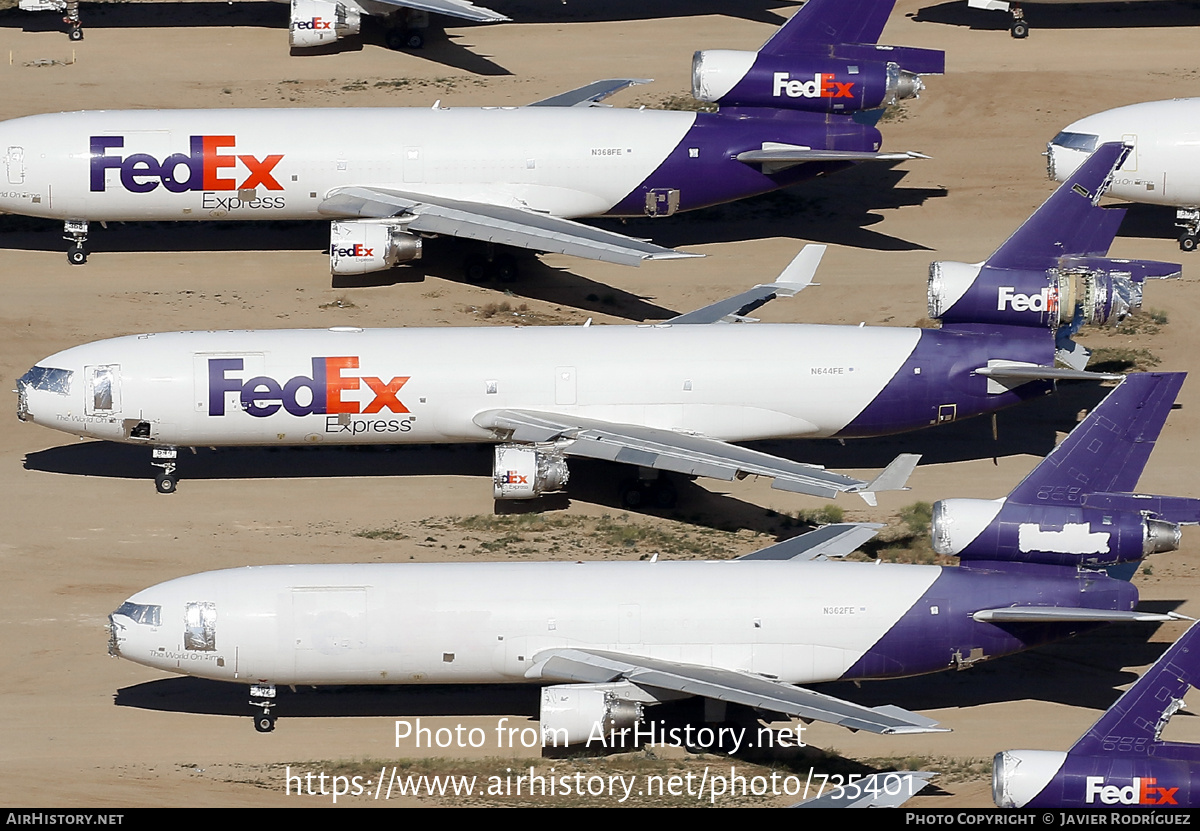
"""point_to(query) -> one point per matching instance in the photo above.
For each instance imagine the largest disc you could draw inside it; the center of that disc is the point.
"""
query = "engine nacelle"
(318, 22)
(814, 84)
(574, 713)
(363, 247)
(980, 529)
(1020, 775)
(523, 471)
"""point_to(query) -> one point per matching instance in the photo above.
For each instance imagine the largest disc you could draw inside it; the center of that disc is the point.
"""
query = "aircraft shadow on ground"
(1116, 15)
(1149, 222)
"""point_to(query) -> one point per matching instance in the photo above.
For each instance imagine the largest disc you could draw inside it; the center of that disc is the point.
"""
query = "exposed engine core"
(318, 22)
(1020, 775)
(1094, 291)
(573, 713)
(522, 471)
(815, 84)
(363, 247)
(981, 529)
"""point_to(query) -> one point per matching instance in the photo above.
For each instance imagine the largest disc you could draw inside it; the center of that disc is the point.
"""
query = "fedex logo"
(316, 23)
(1043, 301)
(1141, 792)
(822, 85)
(511, 477)
(303, 395)
(356, 250)
(205, 168)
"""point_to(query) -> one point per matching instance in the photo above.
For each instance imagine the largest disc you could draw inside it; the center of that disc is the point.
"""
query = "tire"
(476, 269)
(413, 39)
(1019, 29)
(504, 268)
(264, 724)
(1187, 242)
(165, 484)
(664, 495)
(75, 34)
(394, 40)
(633, 496)
(76, 255)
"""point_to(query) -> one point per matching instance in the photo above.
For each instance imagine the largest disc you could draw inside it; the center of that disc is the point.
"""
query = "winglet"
(894, 477)
(591, 94)
(796, 277)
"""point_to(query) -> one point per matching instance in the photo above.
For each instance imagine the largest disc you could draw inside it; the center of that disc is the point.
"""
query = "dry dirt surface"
(84, 528)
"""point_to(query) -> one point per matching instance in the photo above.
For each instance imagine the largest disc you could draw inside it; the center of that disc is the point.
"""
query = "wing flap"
(451, 8)
(725, 685)
(494, 223)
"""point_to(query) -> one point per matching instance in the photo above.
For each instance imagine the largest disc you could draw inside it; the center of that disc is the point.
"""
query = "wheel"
(165, 483)
(664, 494)
(504, 268)
(1187, 242)
(1019, 29)
(76, 255)
(394, 39)
(475, 269)
(76, 33)
(264, 724)
(633, 495)
(413, 39)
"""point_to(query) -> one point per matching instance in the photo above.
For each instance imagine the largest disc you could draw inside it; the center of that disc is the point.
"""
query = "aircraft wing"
(493, 223)
(590, 95)
(836, 540)
(592, 666)
(794, 279)
(451, 8)
(688, 454)
(879, 790)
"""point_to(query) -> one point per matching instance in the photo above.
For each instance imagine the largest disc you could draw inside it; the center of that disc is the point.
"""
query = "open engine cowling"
(981, 529)
(574, 713)
(318, 22)
(523, 471)
(363, 247)
(814, 84)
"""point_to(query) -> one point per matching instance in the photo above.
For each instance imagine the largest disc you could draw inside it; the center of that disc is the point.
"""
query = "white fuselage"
(281, 163)
(443, 623)
(730, 382)
(1164, 167)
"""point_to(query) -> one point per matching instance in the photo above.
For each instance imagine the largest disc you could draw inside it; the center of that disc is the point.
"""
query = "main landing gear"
(480, 268)
(1189, 220)
(263, 697)
(165, 458)
(75, 231)
(654, 491)
(406, 29)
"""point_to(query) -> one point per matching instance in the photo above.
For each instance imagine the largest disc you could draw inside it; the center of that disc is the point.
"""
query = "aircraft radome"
(1122, 761)
(744, 631)
(1162, 169)
(802, 106)
(322, 22)
(668, 397)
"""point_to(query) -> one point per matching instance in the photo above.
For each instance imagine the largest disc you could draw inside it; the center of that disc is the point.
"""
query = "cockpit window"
(141, 613)
(1077, 141)
(48, 379)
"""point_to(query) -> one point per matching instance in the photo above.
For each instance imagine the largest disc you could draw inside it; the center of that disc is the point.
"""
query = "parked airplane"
(667, 397)
(1122, 761)
(509, 176)
(321, 22)
(1019, 28)
(743, 631)
(1164, 167)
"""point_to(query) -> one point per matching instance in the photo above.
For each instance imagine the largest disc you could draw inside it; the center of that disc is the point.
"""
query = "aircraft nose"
(40, 390)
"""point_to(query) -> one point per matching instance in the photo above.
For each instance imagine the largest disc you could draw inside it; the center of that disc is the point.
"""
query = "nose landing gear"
(75, 231)
(263, 696)
(166, 480)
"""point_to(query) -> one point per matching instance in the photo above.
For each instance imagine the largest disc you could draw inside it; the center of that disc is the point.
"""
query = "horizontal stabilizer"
(835, 540)
(879, 790)
(1053, 614)
(1138, 270)
(776, 157)
(1178, 509)
(747, 689)
(591, 94)
(796, 277)
(1004, 375)
(451, 8)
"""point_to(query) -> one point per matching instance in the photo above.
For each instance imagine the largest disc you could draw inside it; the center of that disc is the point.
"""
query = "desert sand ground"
(84, 528)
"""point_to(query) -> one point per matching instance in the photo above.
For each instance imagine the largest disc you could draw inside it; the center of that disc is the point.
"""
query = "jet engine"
(318, 22)
(363, 247)
(522, 471)
(1080, 290)
(1020, 775)
(815, 84)
(981, 529)
(574, 713)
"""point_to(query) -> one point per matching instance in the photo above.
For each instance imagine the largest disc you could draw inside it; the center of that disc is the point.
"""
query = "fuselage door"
(103, 393)
(14, 160)
(1131, 161)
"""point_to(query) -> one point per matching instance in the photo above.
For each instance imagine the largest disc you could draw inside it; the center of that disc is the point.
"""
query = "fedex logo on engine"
(208, 167)
(822, 85)
(1141, 792)
(316, 23)
(511, 477)
(321, 392)
(356, 250)
(1009, 298)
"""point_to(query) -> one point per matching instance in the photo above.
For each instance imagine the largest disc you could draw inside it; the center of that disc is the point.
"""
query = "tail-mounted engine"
(1078, 291)
(318, 22)
(363, 247)
(522, 471)
(994, 530)
(853, 78)
(574, 713)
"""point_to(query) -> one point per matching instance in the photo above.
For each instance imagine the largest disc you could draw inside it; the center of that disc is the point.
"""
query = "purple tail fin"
(1069, 222)
(1108, 451)
(1133, 724)
(828, 22)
